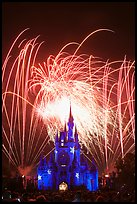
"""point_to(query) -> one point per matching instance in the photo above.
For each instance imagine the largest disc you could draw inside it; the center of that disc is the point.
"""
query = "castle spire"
(65, 128)
(70, 125)
(65, 133)
(76, 135)
(71, 119)
(70, 111)
(56, 138)
(76, 130)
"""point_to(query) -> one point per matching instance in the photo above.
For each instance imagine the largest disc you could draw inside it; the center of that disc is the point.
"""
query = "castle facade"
(67, 166)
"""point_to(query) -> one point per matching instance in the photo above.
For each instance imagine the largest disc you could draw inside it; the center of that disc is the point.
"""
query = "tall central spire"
(70, 125)
(70, 115)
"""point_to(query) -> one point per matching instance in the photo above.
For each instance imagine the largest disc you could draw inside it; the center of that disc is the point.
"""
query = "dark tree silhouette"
(126, 170)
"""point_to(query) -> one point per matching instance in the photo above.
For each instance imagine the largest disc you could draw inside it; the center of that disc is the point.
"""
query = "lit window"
(62, 144)
(62, 140)
(63, 165)
(56, 151)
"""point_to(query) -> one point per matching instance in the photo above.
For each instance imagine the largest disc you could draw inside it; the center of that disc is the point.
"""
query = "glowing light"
(77, 175)
(39, 177)
(36, 100)
(63, 186)
(72, 150)
(49, 171)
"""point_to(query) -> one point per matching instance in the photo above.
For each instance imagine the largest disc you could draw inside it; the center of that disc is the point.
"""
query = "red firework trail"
(101, 95)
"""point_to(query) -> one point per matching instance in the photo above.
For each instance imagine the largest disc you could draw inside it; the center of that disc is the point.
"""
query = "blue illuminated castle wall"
(66, 163)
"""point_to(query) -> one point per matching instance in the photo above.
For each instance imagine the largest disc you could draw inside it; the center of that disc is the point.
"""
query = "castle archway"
(63, 186)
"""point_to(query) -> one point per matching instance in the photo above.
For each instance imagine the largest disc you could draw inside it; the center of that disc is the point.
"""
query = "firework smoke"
(37, 96)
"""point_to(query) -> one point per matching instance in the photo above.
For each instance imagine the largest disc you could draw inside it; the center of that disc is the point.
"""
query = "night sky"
(61, 23)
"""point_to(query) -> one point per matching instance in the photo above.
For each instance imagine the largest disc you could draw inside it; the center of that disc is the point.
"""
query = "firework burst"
(101, 96)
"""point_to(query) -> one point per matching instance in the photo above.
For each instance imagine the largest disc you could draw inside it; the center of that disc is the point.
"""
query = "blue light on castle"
(66, 164)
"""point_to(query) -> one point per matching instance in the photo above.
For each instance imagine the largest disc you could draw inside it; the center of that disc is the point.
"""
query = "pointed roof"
(70, 114)
(76, 132)
(65, 129)
(70, 111)
(56, 137)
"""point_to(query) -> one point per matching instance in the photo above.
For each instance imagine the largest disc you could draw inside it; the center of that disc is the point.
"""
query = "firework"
(37, 96)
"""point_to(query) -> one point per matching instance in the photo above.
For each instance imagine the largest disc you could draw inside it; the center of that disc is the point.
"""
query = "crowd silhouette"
(81, 195)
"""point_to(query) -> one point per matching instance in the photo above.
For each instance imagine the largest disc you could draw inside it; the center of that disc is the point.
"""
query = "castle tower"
(65, 132)
(65, 164)
(76, 138)
(77, 145)
(71, 142)
(76, 170)
(56, 137)
(70, 126)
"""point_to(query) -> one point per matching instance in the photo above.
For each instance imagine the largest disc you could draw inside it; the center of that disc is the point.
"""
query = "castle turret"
(56, 145)
(56, 138)
(76, 172)
(65, 128)
(62, 138)
(76, 135)
(77, 145)
(65, 133)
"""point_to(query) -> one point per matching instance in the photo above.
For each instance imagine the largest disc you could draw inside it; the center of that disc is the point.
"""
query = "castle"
(67, 167)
